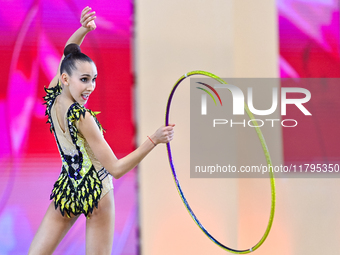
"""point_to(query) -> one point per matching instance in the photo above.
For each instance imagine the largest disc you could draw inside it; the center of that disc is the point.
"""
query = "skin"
(87, 24)
(100, 225)
(83, 81)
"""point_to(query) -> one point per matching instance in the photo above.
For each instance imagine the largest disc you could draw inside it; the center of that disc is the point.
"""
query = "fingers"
(164, 134)
(168, 133)
(170, 136)
(87, 17)
(88, 20)
(85, 10)
(169, 127)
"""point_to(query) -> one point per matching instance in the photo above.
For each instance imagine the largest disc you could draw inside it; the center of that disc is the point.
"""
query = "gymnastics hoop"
(266, 153)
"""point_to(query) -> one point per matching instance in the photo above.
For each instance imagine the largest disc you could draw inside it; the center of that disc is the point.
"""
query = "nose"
(91, 86)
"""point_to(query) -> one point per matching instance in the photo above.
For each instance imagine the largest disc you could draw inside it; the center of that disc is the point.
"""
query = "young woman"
(84, 185)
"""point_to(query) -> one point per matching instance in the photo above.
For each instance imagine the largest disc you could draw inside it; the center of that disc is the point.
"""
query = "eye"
(94, 79)
(83, 79)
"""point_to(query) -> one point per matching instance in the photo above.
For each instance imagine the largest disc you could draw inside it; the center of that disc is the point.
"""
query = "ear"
(64, 78)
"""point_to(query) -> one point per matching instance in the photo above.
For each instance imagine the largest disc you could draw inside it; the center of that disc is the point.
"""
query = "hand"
(87, 18)
(163, 134)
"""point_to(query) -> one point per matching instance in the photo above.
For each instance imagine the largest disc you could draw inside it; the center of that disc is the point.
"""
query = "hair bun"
(72, 48)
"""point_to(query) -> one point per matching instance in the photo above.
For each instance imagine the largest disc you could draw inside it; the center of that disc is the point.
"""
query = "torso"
(82, 181)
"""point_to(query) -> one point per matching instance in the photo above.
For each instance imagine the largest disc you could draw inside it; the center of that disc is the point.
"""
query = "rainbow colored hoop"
(266, 153)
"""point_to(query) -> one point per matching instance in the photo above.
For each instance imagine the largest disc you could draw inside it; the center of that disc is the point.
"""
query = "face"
(82, 82)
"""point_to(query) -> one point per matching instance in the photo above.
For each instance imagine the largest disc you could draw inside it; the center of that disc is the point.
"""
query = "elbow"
(116, 175)
(116, 170)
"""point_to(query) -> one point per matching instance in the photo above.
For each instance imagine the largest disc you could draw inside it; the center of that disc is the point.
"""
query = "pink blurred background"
(33, 35)
(309, 48)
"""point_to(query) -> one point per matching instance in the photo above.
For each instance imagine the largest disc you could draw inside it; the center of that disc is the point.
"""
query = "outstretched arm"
(118, 167)
(87, 24)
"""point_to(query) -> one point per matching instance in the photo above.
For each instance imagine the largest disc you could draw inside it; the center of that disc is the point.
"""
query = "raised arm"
(87, 24)
(118, 167)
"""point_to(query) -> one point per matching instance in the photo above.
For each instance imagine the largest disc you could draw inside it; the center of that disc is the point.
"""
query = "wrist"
(152, 138)
(85, 30)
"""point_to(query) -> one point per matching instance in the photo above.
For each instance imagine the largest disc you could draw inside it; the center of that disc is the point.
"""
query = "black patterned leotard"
(82, 181)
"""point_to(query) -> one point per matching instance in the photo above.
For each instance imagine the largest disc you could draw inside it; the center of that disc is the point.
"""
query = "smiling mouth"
(85, 97)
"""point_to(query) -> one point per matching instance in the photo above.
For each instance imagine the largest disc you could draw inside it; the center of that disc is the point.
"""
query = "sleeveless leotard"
(83, 181)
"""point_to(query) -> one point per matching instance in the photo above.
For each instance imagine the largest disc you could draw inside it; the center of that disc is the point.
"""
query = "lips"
(85, 97)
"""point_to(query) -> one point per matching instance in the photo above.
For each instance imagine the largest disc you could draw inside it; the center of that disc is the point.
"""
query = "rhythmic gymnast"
(84, 185)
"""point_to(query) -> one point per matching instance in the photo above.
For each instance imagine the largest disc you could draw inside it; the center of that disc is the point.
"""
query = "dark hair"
(72, 54)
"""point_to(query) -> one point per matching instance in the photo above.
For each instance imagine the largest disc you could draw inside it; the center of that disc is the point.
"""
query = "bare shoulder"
(88, 126)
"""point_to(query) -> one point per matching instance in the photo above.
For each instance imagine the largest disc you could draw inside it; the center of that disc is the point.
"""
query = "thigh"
(51, 231)
(100, 227)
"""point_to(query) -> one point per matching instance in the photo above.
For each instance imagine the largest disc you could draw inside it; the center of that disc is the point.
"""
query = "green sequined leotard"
(82, 181)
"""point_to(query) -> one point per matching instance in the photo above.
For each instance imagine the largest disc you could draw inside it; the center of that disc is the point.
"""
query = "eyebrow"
(87, 75)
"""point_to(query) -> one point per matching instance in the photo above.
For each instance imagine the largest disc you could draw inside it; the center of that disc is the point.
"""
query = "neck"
(65, 97)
